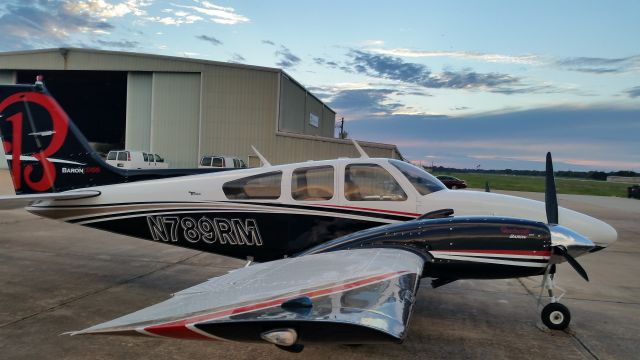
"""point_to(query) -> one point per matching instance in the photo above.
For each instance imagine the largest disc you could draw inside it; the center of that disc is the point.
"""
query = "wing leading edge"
(351, 296)
(10, 202)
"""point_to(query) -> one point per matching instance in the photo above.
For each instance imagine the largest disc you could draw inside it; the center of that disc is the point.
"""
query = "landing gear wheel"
(556, 316)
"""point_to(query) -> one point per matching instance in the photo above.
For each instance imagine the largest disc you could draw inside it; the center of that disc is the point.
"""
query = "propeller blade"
(550, 196)
(573, 262)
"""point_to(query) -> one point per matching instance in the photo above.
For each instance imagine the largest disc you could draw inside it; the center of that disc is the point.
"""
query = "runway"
(58, 277)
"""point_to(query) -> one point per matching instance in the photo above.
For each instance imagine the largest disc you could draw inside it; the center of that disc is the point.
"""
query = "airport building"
(185, 108)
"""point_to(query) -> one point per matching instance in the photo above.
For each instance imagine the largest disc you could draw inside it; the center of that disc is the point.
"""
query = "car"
(221, 161)
(452, 182)
(633, 192)
(132, 159)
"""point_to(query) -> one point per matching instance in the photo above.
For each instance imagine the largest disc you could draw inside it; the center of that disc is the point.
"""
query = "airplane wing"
(9, 202)
(350, 297)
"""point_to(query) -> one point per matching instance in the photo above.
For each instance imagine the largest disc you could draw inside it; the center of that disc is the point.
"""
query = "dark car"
(633, 191)
(452, 182)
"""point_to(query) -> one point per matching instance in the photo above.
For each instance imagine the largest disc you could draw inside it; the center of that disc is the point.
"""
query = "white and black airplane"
(342, 243)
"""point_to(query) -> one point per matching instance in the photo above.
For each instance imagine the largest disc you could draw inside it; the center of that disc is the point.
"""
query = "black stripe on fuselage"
(337, 211)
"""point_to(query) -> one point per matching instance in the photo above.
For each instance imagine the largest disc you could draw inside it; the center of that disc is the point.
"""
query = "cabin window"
(217, 162)
(371, 182)
(312, 183)
(263, 186)
(112, 155)
(122, 156)
(424, 182)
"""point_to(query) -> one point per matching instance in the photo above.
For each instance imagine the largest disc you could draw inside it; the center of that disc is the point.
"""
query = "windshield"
(424, 182)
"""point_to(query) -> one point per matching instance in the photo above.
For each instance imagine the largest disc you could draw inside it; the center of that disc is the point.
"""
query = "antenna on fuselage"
(263, 160)
(363, 155)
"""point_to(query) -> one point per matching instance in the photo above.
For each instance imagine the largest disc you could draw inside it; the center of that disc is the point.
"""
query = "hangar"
(185, 108)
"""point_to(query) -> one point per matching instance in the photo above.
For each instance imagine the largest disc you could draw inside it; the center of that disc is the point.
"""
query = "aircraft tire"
(556, 316)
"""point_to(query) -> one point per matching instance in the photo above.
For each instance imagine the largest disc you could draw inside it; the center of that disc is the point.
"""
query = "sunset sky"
(494, 84)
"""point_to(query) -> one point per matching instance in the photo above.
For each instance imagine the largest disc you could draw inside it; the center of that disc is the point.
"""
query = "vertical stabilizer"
(45, 151)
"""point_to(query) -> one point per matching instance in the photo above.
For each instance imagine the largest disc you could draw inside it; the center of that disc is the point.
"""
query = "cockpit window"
(424, 182)
(263, 186)
(371, 182)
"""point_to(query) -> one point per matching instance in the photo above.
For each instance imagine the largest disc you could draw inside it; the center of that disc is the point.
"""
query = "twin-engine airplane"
(343, 243)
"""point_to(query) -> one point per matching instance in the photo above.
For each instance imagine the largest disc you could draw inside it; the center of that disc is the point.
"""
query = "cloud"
(210, 39)
(287, 58)
(634, 92)
(369, 101)
(32, 23)
(584, 138)
(176, 18)
(237, 58)
(122, 44)
(215, 13)
(373, 42)
(365, 100)
(394, 68)
(595, 65)
(268, 42)
(466, 55)
(103, 9)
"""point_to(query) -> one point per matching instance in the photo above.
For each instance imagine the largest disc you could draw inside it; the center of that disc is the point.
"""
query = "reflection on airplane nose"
(483, 203)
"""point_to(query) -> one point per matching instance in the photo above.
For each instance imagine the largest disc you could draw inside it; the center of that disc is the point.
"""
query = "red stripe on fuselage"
(178, 329)
(371, 209)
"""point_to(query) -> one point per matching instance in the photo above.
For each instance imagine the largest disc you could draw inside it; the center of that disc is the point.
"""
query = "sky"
(468, 84)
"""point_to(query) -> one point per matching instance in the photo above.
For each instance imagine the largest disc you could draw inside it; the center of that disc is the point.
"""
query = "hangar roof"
(107, 60)
(64, 52)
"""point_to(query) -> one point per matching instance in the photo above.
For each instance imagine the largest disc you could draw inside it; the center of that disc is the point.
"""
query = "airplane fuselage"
(266, 217)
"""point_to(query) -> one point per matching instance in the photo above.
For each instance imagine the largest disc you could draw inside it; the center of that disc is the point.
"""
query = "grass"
(536, 184)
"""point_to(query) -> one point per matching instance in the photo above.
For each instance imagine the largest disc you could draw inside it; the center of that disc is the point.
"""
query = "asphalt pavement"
(57, 277)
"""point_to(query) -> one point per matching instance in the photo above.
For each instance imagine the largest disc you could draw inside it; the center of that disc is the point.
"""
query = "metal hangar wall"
(184, 108)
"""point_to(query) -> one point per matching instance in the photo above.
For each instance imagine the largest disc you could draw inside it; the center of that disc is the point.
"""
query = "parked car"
(633, 191)
(221, 161)
(452, 182)
(132, 159)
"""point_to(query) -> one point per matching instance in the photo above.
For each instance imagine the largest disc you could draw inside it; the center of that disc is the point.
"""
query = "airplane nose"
(604, 236)
(598, 231)
(483, 203)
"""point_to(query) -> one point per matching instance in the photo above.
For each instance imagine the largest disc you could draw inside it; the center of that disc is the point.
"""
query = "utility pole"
(341, 135)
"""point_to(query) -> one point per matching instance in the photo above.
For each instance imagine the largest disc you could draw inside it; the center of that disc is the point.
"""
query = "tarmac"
(57, 277)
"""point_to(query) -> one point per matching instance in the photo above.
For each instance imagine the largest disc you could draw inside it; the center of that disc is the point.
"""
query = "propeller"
(551, 206)
(560, 250)
(550, 196)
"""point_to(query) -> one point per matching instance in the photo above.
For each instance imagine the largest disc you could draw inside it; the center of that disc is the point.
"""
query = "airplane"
(342, 243)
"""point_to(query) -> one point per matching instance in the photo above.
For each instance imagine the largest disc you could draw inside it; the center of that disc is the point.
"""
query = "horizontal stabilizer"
(9, 202)
(350, 296)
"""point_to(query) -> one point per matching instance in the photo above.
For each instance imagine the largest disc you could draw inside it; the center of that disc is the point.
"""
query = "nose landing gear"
(554, 315)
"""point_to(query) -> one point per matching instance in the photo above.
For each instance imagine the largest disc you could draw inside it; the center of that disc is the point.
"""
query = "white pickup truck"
(132, 159)
(221, 161)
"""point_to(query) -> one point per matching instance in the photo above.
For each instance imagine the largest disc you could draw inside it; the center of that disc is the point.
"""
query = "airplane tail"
(45, 150)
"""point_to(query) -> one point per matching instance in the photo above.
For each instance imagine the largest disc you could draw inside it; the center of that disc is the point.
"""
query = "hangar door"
(163, 116)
